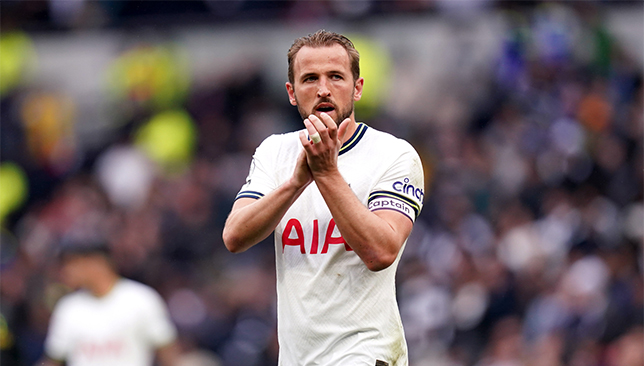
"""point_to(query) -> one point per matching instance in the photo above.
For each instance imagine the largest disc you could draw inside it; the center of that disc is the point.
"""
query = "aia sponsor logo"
(98, 350)
(294, 235)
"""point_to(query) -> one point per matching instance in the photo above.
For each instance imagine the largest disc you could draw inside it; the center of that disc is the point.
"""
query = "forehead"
(321, 59)
(71, 261)
(75, 259)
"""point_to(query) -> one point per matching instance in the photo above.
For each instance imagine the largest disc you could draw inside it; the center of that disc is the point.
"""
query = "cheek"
(306, 92)
(70, 275)
(296, 97)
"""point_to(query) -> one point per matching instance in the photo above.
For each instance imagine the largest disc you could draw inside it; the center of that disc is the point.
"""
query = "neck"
(102, 285)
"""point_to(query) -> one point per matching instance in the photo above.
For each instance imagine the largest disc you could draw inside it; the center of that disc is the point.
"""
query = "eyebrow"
(304, 76)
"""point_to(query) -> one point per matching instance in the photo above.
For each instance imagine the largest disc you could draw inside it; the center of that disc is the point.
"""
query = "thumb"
(343, 128)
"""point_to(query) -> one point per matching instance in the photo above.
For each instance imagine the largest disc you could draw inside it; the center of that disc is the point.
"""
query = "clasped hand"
(322, 157)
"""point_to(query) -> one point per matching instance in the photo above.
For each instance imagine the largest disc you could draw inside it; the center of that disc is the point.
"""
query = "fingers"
(301, 161)
(327, 120)
(302, 173)
(321, 145)
(310, 129)
(343, 128)
(324, 125)
(304, 139)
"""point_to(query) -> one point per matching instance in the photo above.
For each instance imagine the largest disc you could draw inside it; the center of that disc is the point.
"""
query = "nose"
(323, 90)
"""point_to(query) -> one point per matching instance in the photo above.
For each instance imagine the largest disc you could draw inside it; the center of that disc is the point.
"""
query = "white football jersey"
(122, 328)
(332, 310)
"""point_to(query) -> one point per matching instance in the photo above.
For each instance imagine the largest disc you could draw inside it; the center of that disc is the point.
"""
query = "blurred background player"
(109, 320)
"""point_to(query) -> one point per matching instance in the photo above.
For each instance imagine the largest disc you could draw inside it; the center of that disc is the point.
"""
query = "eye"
(309, 79)
(336, 77)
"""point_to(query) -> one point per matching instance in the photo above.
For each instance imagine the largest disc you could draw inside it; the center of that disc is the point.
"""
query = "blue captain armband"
(385, 200)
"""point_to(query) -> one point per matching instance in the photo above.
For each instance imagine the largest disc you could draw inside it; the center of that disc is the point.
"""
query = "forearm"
(372, 238)
(250, 223)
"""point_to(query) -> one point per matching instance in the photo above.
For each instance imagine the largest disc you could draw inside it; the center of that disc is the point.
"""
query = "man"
(109, 321)
(342, 202)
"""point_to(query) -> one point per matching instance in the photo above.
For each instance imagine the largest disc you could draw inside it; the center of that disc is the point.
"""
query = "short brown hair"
(323, 38)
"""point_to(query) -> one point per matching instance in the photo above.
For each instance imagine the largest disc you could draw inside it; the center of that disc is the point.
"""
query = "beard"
(341, 114)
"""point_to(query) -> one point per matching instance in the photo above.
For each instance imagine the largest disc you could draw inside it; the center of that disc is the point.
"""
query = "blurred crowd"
(528, 250)
(55, 15)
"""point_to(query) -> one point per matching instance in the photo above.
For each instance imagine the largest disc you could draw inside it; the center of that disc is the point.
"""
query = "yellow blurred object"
(6, 338)
(375, 68)
(17, 61)
(48, 119)
(154, 76)
(168, 139)
(13, 188)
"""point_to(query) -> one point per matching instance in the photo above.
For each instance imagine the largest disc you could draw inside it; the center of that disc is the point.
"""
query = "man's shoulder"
(282, 138)
(73, 298)
(72, 302)
(285, 142)
(133, 288)
(389, 141)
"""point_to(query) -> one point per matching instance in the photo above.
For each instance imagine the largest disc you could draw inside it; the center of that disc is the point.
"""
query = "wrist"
(329, 176)
(296, 185)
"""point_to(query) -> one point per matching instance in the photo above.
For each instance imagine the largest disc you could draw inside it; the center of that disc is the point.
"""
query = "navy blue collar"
(355, 138)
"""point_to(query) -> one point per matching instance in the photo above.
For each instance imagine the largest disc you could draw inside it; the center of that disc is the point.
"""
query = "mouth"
(325, 107)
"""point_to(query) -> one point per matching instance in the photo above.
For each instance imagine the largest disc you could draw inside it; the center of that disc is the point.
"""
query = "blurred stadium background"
(137, 120)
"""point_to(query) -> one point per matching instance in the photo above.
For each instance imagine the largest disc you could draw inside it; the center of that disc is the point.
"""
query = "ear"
(357, 92)
(291, 93)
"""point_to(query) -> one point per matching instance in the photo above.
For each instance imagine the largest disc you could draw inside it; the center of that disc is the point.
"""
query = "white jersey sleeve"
(59, 340)
(158, 327)
(261, 177)
(402, 187)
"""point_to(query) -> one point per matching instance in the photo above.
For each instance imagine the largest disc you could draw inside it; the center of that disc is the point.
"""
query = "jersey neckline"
(355, 138)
